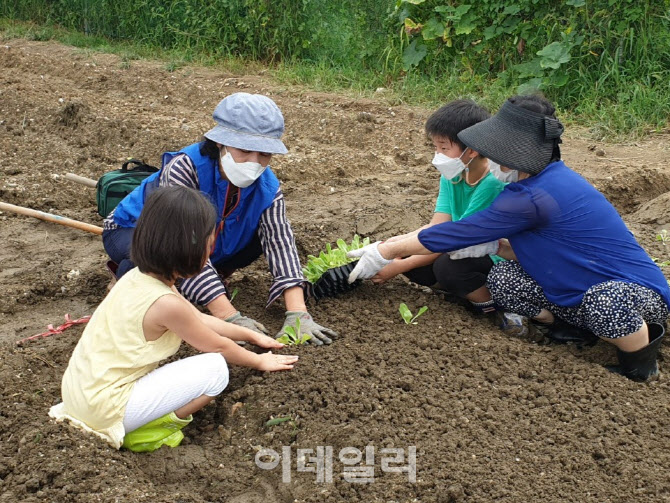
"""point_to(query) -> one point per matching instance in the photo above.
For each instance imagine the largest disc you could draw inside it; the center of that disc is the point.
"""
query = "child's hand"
(264, 341)
(270, 362)
(387, 273)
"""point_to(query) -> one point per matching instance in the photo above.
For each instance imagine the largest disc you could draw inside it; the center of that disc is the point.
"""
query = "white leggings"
(172, 386)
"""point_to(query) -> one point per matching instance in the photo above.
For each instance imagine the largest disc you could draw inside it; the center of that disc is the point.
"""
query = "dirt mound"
(654, 212)
(491, 418)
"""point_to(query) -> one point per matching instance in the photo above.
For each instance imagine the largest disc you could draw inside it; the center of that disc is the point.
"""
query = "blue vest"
(240, 226)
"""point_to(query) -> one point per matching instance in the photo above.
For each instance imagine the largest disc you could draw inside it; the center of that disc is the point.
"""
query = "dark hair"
(452, 118)
(209, 148)
(541, 105)
(535, 103)
(172, 233)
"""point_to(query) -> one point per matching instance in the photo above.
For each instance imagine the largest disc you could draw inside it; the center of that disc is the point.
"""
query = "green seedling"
(407, 314)
(664, 238)
(277, 420)
(331, 258)
(234, 294)
(292, 335)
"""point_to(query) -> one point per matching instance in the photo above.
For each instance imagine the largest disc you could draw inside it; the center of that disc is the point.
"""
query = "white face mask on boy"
(241, 174)
(449, 167)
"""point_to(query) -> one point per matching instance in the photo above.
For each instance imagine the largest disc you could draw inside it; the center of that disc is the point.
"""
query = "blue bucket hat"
(248, 122)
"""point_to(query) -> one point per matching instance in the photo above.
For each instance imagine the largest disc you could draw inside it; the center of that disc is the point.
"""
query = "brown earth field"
(492, 418)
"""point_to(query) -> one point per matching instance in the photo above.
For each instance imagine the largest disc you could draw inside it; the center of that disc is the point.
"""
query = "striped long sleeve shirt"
(274, 231)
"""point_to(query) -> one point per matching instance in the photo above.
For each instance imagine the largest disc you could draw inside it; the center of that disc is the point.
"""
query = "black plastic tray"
(334, 282)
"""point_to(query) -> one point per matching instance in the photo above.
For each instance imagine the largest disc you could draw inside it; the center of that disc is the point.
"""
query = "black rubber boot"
(640, 365)
(560, 332)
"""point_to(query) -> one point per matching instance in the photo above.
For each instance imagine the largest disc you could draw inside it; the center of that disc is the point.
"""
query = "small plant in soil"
(407, 314)
(331, 258)
(664, 238)
(292, 335)
(277, 420)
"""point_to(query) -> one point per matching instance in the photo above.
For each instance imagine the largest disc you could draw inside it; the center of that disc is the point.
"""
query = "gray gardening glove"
(320, 335)
(474, 251)
(243, 321)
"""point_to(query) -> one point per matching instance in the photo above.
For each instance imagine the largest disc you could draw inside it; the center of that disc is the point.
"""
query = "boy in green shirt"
(466, 187)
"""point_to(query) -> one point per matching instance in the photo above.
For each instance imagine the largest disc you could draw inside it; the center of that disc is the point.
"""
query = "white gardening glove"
(490, 248)
(370, 263)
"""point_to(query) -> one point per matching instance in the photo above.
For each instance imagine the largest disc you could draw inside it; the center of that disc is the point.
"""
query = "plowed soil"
(493, 418)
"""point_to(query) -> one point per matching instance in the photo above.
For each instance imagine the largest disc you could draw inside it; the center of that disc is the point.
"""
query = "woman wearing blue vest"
(230, 165)
(575, 263)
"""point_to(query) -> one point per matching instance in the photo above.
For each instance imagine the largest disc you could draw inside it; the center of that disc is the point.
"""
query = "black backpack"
(112, 187)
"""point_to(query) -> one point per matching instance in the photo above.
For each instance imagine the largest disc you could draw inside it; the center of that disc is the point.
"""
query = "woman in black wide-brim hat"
(576, 269)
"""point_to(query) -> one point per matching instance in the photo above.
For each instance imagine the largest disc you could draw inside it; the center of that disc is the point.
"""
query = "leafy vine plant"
(495, 36)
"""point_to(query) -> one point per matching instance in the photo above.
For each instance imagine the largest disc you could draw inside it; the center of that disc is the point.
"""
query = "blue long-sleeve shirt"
(564, 232)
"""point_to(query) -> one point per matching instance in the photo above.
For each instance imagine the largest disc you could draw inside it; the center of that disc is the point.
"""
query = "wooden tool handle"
(89, 182)
(49, 217)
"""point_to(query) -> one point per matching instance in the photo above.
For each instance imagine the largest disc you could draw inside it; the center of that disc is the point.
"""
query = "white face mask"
(240, 174)
(510, 176)
(449, 167)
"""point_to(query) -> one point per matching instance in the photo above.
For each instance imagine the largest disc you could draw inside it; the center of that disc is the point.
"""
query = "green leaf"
(405, 313)
(575, 3)
(421, 311)
(413, 54)
(461, 10)
(530, 69)
(466, 24)
(512, 10)
(554, 55)
(530, 86)
(284, 339)
(305, 338)
(491, 32)
(558, 79)
(277, 420)
(434, 28)
(465, 28)
(414, 2)
(444, 8)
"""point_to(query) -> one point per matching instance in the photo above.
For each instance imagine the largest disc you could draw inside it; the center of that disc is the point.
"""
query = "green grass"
(642, 109)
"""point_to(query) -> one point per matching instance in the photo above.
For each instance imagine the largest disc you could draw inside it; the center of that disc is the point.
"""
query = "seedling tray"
(334, 282)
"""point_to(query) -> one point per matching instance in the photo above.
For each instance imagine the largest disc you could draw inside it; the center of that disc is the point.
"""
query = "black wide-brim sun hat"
(515, 138)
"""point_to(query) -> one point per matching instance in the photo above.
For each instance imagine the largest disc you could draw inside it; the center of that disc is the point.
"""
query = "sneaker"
(515, 325)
